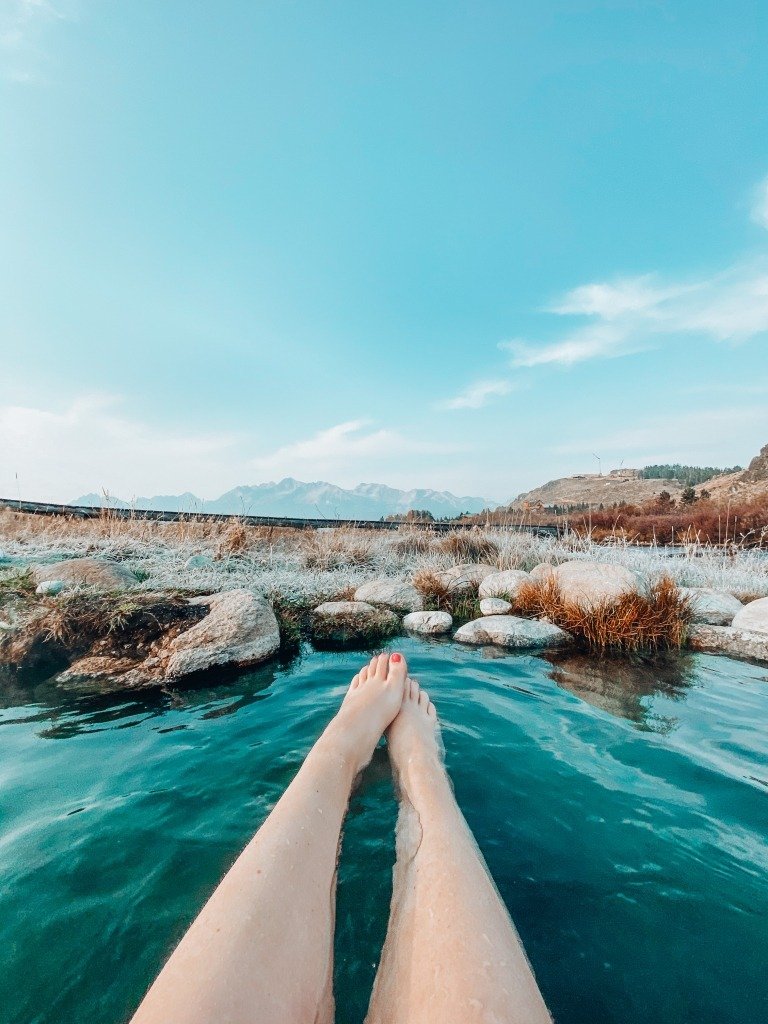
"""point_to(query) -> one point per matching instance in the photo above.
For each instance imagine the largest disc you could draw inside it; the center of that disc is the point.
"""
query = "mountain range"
(291, 497)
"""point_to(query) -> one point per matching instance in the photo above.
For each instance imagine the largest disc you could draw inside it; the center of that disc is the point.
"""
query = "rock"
(464, 578)
(495, 606)
(50, 588)
(503, 584)
(753, 616)
(239, 630)
(394, 594)
(512, 631)
(199, 561)
(5, 625)
(542, 571)
(340, 623)
(713, 607)
(587, 584)
(92, 572)
(736, 643)
(430, 623)
(110, 673)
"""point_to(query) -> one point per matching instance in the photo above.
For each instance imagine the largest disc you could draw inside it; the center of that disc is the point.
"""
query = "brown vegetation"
(469, 546)
(635, 622)
(438, 596)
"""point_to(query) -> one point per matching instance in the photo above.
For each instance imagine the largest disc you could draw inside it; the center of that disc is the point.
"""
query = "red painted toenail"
(395, 657)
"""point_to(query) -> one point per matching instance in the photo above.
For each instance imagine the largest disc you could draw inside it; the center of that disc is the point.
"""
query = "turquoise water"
(622, 809)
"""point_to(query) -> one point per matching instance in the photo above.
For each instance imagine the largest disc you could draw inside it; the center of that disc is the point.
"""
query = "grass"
(462, 605)
(354, 629)
(636, 622)
(469, 546)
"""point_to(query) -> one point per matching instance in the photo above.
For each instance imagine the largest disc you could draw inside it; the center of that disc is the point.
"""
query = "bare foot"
(415, 749)
(374, 698)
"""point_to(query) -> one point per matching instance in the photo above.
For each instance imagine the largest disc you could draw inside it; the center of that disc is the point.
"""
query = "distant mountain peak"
(291, 497)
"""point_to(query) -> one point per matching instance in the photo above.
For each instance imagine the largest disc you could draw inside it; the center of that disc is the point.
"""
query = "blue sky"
(457, 245)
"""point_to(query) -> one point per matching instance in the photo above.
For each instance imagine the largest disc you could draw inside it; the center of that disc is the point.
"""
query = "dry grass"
(412, 542)
(332, 549)
(438, 596)
(635, 622)
(469, 546)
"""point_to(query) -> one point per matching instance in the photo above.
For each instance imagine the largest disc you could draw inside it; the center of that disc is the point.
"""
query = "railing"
(42, 508)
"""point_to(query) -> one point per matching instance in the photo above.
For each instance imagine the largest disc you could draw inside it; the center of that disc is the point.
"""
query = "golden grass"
(462, 605)
(636, 622)
(468, 546)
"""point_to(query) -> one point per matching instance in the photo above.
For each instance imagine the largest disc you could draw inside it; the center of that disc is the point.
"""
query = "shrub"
(635, 622)
(412, 542)
(438, 596)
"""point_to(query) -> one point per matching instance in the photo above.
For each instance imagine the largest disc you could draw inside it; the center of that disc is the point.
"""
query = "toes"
(397, 669)
(424, 699)
(414, 694)
(362, 674)
(432, 710)
(382, 666)
(355, 682)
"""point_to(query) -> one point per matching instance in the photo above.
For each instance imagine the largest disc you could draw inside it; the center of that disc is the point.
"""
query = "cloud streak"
(477, 395)
(637, 313)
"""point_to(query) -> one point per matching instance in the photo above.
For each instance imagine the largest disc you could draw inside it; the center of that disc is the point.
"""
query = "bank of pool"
(622, 808)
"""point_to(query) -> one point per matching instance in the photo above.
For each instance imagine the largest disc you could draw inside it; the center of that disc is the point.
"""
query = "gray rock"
(504, 584)
(430, 623)
(542, 571)
(713, 607)
(108, 673)
(394, 594)
(199, 561)
(93, 572)
(240, 630)
(464, 578)
(512, 631)
(753, 616)
(587, 584)
(50, 588)
(736, 643)
(340, 623)
(495, 606)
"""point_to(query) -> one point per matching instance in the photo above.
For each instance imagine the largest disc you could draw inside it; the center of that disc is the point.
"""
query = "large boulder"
(712, 607)
(495, 606)
(343, 623)
(394, 594)
(240, 629)
(504, 584)
(587, 584)
(429, 623)
(753, 616)
(512, 631)
(542, 572)
(464, 578)
(736, 643)
(92, 572)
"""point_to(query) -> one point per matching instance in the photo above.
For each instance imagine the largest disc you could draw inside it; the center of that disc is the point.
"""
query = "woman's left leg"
(262, 947)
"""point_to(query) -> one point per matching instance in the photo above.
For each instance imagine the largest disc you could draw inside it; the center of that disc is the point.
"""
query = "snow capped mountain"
(291, 497)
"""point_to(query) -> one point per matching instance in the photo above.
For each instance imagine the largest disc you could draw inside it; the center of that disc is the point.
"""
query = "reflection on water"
(620, 805)
(623, 686)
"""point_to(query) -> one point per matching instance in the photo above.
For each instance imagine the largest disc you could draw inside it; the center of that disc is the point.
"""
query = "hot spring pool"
(622, 809)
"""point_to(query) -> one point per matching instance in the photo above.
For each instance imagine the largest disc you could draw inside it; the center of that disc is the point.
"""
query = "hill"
(594, 489)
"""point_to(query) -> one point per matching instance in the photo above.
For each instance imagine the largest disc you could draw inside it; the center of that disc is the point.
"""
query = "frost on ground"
(306, 567)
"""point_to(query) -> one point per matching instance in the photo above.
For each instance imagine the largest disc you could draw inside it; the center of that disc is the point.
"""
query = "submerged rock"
(429, 623)
(394, 594)
(108, 673)
(495, 606)
(504, 584)
(713, 607)
(240, 630)
(92, 572)
(753, 616)
(587, 584)
(736, 643)
(512, 631)
(342, 623)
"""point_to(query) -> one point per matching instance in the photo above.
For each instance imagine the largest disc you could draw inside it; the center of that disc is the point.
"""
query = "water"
(622, 809)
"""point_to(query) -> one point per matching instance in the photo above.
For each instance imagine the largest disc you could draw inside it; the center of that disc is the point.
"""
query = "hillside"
(291, 497)
(748, 485)
(594, 489)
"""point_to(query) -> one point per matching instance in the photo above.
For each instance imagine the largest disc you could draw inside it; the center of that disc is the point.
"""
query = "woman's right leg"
(451, 955)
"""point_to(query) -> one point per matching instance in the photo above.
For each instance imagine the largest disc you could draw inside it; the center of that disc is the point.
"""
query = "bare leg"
(262, 947)
(451, 955)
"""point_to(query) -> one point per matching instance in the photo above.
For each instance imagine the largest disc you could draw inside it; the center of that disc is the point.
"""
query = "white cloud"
(21, 23)
(91, 445)
(704, 436)
(760, 203)
(477, 395)
(634, 314)
(343, 448)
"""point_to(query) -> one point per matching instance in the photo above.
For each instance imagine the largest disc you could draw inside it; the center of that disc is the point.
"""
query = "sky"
(464, 245)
